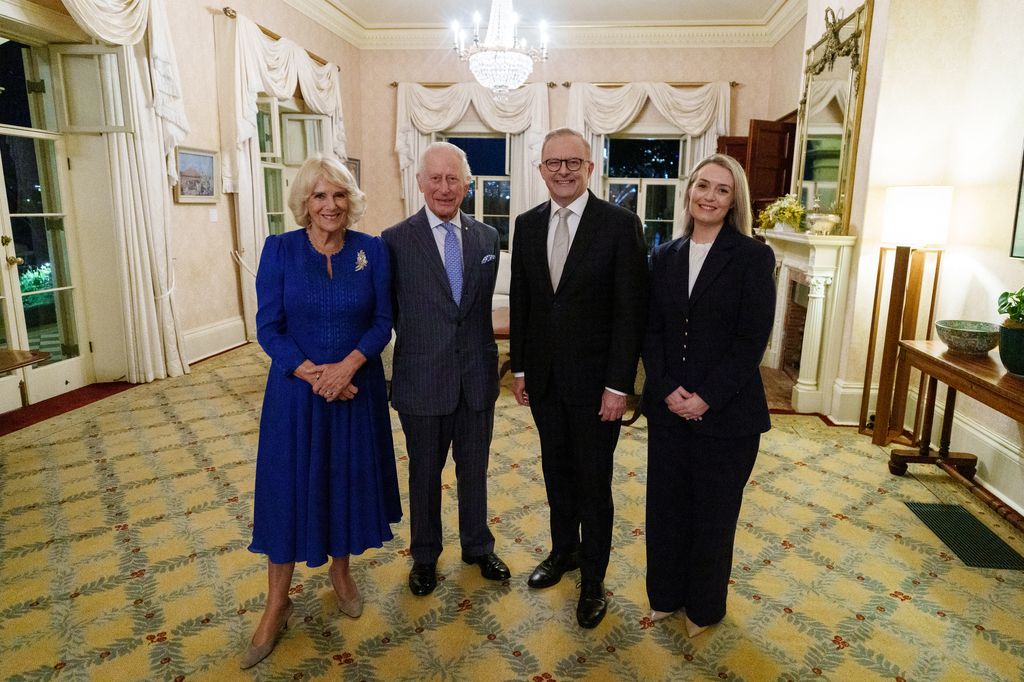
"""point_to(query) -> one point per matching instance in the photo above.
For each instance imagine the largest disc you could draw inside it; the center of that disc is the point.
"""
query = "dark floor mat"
(967, 537)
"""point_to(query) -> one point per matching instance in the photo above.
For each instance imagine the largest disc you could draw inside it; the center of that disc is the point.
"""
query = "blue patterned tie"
(453, 261)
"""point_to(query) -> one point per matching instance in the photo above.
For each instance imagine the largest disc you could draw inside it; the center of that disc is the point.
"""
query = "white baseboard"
(202, 342)
(1000, 459)
(846, 402)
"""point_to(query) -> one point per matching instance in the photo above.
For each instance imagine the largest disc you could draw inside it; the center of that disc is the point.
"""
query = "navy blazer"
(711, 342)
(587, 334)
(442, 348)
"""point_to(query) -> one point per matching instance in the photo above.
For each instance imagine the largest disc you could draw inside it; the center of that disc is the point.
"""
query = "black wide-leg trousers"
(694, 491)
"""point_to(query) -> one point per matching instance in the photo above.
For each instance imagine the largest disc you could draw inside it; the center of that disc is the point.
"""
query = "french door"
(39, 300)
(653, 199)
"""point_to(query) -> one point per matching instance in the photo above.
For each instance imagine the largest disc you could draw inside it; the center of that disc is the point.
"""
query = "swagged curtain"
(143, 170)
(424, 111)
(821, 93)
(702, 113)
(249, 62)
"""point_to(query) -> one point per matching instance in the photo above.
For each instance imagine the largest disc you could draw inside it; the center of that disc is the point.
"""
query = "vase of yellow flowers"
(785, 214)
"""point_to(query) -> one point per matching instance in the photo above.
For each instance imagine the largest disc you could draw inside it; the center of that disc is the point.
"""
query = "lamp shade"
(917, 215)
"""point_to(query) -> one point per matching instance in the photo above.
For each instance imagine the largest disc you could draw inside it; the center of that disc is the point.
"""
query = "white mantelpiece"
(821, 262)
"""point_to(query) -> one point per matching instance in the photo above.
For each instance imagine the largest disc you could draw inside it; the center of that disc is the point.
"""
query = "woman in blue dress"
(326, 483)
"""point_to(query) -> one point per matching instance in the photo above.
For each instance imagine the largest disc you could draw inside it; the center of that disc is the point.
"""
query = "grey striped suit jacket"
(442, 349)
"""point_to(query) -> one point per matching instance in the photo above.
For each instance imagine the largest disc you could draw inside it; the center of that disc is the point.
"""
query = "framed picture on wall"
(197, 176)
(353, 166)
(1017, 246)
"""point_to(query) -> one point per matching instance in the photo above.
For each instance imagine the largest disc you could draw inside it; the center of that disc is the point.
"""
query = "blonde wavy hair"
(330, 168)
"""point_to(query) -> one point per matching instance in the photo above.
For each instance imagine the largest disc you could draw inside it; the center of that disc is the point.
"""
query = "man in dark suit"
(578, 303)
(445, 377)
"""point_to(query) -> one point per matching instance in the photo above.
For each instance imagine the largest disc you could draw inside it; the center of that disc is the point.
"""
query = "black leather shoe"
(593, 604)
(491, 567)
(549, 571)
(423, 579)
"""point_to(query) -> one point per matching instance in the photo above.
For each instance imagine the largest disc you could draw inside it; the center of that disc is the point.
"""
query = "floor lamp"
(915, 228)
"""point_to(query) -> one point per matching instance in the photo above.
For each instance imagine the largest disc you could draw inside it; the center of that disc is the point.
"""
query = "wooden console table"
(15, 359)
(981, 377)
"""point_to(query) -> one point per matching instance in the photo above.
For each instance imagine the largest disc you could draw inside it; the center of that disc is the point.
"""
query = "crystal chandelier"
(502, 62)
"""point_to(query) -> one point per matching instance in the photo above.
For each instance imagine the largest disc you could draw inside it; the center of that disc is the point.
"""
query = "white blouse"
(698, 252)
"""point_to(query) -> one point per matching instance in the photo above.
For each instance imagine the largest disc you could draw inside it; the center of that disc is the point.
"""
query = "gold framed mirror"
(828, 126)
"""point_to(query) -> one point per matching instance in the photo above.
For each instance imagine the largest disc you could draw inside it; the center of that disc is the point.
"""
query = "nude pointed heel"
(255, 654)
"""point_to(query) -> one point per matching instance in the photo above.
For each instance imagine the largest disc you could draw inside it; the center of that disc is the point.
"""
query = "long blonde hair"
(740, 217)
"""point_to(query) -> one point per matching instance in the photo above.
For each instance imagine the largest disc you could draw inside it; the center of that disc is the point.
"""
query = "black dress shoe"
(423, 578)
(549, 571)
(491, 567)
(593, 604)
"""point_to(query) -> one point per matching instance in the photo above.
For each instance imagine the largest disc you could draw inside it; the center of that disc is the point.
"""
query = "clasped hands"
(332, 381)
(689, 406)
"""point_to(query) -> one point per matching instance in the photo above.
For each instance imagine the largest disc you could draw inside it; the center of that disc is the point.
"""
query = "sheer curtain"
(249, 62)
(524, 118)
(143, 170)
(702, 113)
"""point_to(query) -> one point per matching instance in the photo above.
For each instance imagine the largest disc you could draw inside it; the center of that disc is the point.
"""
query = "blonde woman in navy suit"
(445, 377)
(712, 305)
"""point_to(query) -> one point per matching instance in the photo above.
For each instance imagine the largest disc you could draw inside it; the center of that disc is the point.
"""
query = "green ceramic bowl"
(968, 336)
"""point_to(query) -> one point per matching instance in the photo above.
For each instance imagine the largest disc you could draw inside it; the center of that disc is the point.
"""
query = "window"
(286, 137)
(647, 175)
(489, 194)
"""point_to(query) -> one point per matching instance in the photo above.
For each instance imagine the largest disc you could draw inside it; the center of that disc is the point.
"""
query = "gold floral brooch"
(361, 261)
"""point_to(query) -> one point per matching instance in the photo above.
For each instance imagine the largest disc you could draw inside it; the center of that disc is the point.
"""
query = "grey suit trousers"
(468, 433)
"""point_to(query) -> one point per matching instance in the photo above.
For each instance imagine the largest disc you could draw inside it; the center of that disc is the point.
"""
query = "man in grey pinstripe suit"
(445, 377)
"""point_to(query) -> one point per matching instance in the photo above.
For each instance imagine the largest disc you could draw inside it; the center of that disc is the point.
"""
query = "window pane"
(496, 197)
(486, 155)
(469, 201)
(50, 321)
(657, 232)
(40, 242)
(273, 190)
(30, 175)
(499, 223)
(624, 195)
(275, 223)
(660, 203)
(264, 128)
(15, 109)
(634, 158)
(822, 157)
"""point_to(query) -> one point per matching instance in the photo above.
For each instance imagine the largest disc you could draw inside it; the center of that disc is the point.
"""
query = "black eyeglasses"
(555, 165)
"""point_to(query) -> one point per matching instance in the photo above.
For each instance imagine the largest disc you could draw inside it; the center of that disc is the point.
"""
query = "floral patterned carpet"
(124, 526)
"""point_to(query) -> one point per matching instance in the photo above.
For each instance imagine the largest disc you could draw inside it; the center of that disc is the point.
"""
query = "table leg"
(965, 462)
(929, 417)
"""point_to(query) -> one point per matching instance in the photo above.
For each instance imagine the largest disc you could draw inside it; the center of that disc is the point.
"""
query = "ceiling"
(402, 24)
(439, 14)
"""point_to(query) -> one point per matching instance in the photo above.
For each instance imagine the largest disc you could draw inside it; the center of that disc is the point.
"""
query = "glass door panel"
(38, 292)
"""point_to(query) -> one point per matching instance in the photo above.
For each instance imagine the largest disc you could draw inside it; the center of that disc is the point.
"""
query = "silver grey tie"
(560, 247)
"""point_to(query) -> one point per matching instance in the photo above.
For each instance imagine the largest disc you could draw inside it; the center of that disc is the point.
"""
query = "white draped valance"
(248, 63)
(142, 172)
(701, 112)
(821, 93)
(253, 63)
(424, 111)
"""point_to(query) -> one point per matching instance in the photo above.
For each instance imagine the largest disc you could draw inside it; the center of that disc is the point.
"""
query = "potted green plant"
(1011, 332)
(785, 210)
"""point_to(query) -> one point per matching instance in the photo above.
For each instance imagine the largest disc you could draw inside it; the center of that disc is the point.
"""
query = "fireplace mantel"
(822, 262)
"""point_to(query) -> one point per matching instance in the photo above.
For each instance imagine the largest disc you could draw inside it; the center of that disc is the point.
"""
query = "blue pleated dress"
(326, 483)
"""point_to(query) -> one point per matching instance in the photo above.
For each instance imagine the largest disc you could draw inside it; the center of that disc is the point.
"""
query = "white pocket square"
(487, 259)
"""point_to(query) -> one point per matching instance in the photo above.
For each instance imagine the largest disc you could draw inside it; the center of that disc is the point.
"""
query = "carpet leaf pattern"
(124, 526)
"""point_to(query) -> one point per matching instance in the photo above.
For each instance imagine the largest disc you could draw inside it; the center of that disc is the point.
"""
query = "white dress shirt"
(438, 232)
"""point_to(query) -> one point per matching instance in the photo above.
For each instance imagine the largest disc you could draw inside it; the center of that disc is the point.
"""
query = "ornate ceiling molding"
(783, 17)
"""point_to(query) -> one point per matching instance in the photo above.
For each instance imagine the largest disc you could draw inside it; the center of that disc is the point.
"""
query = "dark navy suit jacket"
(711, 341)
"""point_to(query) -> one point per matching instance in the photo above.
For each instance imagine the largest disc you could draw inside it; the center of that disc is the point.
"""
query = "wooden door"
(735, 146)
(769, 161)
